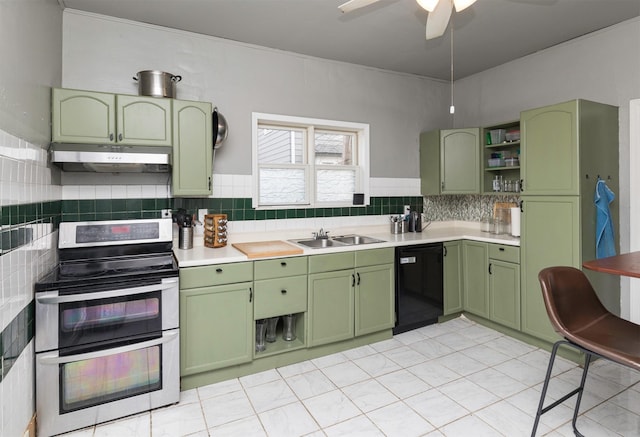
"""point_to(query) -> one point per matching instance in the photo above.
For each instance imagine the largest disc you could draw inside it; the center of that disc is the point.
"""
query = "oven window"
(97, 381)
(94, 321)
(110, 313)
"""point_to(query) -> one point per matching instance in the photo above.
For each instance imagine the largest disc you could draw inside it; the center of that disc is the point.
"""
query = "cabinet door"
(216, 327)
(192, 148)
(504, 293)
(476, 281)
(430, 163)
(144, 121)
(550, 150)
(82, 117)
(331, 307)
(459, 161)
(550, 237)
(374, 299)
(452, 277)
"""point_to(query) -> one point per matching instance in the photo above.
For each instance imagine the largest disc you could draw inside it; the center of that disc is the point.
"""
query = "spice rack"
(215, 230)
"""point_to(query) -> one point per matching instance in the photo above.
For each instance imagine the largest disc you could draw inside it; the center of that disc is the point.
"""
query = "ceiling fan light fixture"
(461, 5)
(428, 5)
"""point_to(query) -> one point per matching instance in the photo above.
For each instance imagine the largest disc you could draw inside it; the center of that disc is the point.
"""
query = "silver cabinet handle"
(52, 298)
(53, 359)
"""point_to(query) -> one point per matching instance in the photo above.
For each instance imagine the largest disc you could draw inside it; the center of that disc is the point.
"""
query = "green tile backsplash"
(235, 208)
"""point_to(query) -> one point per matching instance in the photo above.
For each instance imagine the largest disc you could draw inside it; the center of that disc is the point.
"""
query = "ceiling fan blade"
(438, 20)
(428, 5)
(352, 5)
(461, 5)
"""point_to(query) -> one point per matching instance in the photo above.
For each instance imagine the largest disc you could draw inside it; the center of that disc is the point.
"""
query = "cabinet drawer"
(331, 262)
(504, 253)
(278, 268)
(203, 276)
(275, 297)
(374, 257)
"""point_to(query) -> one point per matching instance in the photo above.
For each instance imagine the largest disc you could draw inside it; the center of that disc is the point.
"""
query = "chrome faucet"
(320, 235)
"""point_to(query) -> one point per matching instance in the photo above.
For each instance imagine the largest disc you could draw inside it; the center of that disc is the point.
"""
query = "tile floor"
(453, 379)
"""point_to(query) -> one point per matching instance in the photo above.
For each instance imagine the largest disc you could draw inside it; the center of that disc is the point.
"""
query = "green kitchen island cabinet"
(567, 147)
(504, 285)
(453, 282)
(476, 280)
(191, 171)
(88, 117)
(350, 294)
(450, 161)
(216, 317)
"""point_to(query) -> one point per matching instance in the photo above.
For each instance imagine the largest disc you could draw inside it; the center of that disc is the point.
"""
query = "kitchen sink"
(319, 243)
(343, 240)
(357, 239)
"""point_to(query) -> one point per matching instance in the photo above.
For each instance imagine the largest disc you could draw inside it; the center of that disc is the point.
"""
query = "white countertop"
(200, 255)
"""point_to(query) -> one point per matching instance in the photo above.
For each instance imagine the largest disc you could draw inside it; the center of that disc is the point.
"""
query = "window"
(303, 162)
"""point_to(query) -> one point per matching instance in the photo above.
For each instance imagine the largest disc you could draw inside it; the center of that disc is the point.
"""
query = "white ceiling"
(389, 34)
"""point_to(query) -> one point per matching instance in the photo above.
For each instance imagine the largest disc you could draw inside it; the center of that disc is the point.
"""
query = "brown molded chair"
(585, 324)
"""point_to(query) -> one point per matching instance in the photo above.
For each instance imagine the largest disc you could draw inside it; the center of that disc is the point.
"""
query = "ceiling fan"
(439, 12)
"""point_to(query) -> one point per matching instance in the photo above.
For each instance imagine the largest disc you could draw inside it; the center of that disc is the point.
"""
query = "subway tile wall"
(29, 210)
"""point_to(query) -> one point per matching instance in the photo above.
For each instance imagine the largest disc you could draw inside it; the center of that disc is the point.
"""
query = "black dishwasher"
(419, 286)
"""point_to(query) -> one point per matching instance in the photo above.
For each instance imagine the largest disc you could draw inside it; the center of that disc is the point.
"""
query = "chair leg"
(545, 386)
(587, 361)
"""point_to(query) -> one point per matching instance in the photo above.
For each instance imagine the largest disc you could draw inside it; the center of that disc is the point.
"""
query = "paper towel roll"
(515, 222)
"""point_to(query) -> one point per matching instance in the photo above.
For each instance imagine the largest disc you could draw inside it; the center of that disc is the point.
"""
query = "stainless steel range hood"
(111, 158)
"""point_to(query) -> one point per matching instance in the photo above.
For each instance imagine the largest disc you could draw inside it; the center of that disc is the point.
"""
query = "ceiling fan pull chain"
(452, 108)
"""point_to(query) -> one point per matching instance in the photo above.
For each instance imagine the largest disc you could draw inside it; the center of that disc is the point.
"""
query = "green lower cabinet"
(331, 307)
(550, 237)
(504, 293)
(216, 327)
(374, 299)
(476, 281)
(452, 275)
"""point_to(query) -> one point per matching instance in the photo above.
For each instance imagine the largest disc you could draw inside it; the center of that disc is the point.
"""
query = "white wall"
(31, 47)
(103, 53)
(603, 66)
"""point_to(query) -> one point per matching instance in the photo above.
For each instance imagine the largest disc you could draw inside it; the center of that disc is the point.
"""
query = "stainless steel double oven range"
(107, 336)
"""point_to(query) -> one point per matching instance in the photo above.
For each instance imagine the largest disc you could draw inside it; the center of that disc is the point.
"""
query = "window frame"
(361, 157)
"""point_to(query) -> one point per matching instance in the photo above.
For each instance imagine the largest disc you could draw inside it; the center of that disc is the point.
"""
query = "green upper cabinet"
(88, 117)
(501, 159)
(449, 161)
(452, 276)
(83, 117)
(192, 148)
(565, 143)
(143, 121)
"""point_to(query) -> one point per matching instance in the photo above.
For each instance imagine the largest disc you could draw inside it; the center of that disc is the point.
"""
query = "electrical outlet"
(166, 213)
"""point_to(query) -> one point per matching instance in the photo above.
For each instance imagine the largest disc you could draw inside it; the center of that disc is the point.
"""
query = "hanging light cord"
(452, 108)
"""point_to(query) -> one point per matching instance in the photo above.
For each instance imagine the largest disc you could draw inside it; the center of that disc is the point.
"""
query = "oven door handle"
(52, 298)
(55, 359)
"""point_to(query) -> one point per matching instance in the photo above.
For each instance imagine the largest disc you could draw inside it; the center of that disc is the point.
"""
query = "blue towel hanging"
(605, 241)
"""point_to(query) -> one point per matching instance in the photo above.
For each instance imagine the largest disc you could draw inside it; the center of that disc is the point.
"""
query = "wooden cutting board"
(264, 249)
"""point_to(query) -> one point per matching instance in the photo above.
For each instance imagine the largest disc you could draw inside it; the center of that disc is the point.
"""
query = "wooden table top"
(626, 264)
